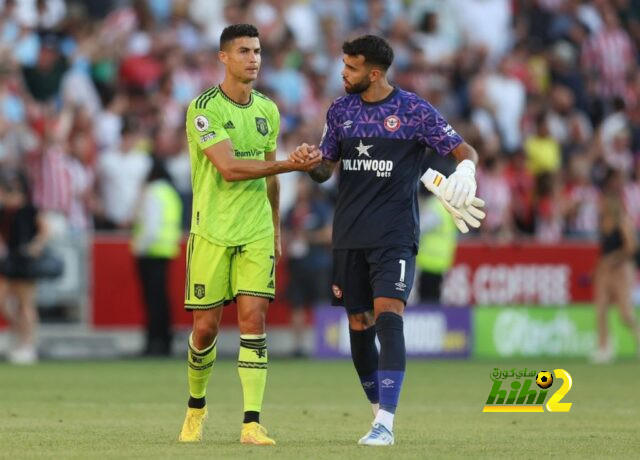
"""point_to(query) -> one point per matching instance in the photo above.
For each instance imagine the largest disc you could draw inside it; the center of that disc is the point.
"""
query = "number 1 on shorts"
(403, 268)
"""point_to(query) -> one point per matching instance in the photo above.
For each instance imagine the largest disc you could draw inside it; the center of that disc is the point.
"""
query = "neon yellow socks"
(252, 368)
(200, 366)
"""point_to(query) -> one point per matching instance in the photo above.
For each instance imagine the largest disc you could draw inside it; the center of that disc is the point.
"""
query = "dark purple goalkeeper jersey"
(381, 148)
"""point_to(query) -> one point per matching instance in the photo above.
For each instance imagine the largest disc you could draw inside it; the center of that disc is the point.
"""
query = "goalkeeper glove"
(461, 185)
(436, 183)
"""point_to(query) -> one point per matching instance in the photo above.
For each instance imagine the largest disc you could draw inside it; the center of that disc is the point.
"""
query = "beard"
(359, 87)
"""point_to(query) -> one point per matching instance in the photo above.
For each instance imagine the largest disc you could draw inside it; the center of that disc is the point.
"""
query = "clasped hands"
(305, 157)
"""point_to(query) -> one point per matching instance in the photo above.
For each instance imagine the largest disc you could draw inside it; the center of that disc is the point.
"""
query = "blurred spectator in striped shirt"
(521, 185)
(493, 187)
(608, 56)
(46, 164)
(549, 208)
(82, 178)
(581, 198)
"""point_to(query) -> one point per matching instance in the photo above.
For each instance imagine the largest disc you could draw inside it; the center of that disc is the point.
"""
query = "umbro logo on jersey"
(347, 124)
(229, 125)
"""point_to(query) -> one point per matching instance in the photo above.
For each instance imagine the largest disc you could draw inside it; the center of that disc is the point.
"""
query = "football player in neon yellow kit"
(235, 228)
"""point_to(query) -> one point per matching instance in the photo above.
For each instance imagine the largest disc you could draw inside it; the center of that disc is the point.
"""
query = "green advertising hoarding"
(525, 331)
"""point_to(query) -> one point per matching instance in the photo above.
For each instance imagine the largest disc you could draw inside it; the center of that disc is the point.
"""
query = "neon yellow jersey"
(230, 213)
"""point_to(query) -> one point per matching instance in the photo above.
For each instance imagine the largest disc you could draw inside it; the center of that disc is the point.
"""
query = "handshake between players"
(457, 193)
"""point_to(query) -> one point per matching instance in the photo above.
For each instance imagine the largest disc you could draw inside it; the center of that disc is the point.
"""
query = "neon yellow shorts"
(216, 275)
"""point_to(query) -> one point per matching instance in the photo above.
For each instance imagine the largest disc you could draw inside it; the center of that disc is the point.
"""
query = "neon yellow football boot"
(254, 433)
(192, 427)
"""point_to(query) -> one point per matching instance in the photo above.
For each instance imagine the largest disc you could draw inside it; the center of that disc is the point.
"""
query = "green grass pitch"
(134, 409)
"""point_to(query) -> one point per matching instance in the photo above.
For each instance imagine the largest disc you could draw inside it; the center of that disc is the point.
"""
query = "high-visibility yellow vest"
(167, 241)
(437, 245)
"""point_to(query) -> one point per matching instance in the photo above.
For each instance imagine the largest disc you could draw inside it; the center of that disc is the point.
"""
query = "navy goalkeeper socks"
(365, 359)
(389, 328)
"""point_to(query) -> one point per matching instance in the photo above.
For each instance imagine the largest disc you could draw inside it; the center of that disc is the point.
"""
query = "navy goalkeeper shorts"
(360, 275)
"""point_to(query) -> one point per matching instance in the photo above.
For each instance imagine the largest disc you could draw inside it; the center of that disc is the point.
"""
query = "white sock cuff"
(253, 336)
(385, 418)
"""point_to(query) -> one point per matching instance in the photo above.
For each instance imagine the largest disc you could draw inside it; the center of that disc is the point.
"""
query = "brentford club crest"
(392, 123)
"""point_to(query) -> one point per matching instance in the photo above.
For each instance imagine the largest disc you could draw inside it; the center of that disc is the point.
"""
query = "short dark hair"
(237, 30)
(376, 50)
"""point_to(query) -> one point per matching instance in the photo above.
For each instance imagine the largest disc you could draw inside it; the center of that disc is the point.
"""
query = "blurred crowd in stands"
(548, 91)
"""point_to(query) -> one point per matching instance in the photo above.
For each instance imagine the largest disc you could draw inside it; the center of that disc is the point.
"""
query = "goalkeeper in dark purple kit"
(378, 134)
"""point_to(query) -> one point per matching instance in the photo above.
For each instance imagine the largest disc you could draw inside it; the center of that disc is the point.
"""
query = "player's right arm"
(232, 169)
(207, 132)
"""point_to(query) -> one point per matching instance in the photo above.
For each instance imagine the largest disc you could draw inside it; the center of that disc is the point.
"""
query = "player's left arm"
(323, 171)
(457, 193)
(438, 134)
(273, 192)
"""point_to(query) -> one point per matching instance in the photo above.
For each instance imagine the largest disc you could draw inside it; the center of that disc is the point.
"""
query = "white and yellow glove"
(470, 214)
(461, 185)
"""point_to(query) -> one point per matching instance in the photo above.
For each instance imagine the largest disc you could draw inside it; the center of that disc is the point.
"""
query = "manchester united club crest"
(261, 126)
(198, 290)
(392, 123)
